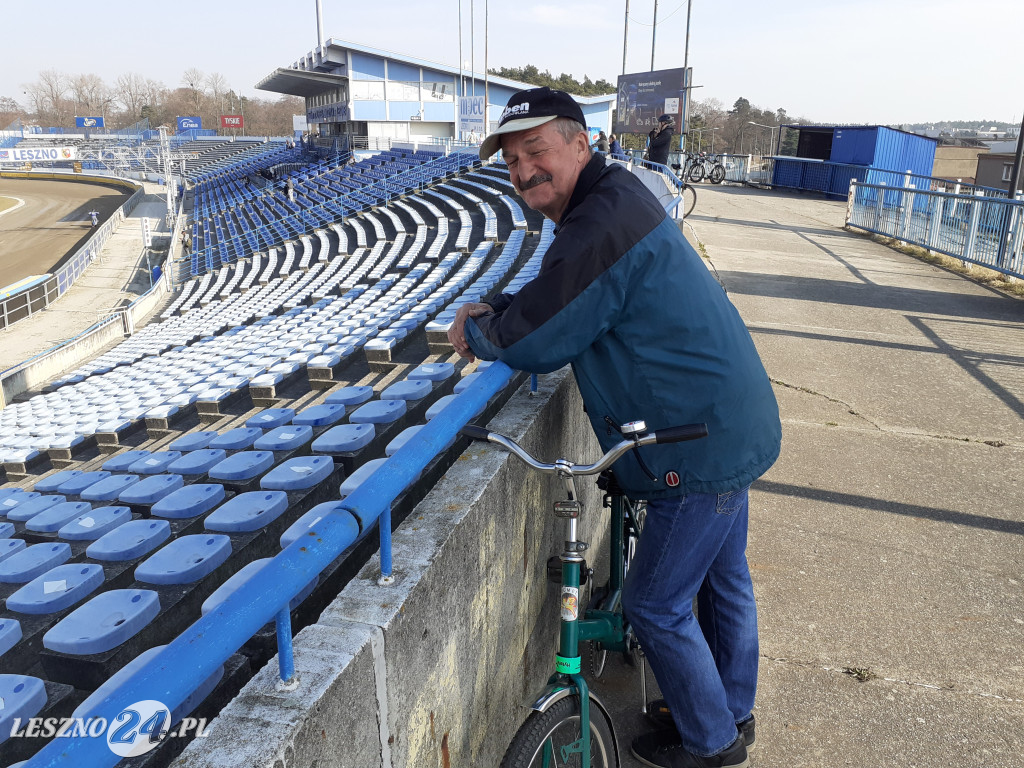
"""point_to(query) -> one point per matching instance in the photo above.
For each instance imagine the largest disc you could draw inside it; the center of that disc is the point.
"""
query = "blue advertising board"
(645, 96)
(189, 123)
(88, 122)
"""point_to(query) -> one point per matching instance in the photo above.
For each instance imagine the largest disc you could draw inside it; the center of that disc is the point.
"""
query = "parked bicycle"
(708, 167)
(569, 726)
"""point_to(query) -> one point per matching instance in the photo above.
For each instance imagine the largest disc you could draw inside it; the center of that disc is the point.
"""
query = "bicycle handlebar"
(567, 468)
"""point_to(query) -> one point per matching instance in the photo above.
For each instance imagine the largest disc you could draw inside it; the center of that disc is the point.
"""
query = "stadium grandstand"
(296, 382)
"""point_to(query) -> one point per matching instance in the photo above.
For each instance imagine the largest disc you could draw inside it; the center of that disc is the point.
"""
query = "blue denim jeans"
(707, 671)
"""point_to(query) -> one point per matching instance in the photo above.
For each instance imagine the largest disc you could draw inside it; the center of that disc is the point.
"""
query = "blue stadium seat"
(301, 526)
(185, 560)
(236, 439)
(378, 412)
(244, 574)
(244, 465)
(33, 507)
(10, 547)
(109, 489)
(75, 485)
(33, 561)
(57, 589)
(121, 462)
(57, 516)
(344, 438)
(51, 483)
(438, 405)
(465, 381)
(193, 442)
(14, 497)
(286, 438)
(410, 389)
(298, 474)
(432, 371)
(320, 415)
(104, 622)
(6, 530)
(198, 462)
(151, 489)
(23, 697)
(247, 512)
(356, 479)
(10, 634)
(95, 523)
(190, 501)
(154, 463)
(349, 396)
(271, 418)
(130, 540)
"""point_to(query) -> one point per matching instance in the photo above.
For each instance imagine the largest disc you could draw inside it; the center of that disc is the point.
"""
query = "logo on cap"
(671, 479)
(519, 110)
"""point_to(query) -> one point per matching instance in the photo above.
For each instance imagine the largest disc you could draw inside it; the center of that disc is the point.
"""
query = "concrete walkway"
(114, 280)
(886, 544)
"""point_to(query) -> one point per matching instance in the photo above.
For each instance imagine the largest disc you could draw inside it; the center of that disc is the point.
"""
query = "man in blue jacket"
(624, 299)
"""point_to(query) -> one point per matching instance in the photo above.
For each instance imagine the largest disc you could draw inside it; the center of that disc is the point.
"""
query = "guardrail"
(977, 229)
(188, 660)
(33, 299)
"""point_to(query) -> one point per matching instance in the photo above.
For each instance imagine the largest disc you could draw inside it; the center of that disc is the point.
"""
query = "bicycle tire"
(538, 734)
(696, 172)
(717, 174)
(689, 199)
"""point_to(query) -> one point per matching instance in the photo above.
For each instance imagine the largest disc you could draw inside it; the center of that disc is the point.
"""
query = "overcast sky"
(857, 61)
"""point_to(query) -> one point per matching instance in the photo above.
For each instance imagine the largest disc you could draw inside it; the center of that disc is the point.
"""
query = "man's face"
(544, 168)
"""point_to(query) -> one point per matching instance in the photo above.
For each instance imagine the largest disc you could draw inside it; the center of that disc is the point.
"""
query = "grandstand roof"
(306, 77)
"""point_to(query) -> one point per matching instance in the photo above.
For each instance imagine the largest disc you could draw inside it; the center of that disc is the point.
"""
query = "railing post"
(935, 222)
(879, 204)
(972, 229)
(908, 211)
(849, 200)
(386, 564)
(285, 655)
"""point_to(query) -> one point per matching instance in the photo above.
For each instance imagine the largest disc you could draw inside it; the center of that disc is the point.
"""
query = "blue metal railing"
(983, 230)
(172, 675)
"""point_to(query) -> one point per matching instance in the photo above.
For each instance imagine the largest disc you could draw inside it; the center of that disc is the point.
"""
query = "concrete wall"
(957, 162)
(433, 670)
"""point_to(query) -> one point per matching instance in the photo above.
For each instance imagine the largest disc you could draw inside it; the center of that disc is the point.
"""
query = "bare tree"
(10, 111)
(48, 97)
(194, 79)
(218, 85)
(131, 95)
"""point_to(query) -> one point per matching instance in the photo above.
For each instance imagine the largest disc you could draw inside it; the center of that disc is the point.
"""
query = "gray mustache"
(536, 181)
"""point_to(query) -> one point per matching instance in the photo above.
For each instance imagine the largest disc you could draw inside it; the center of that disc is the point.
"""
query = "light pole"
(771, 137)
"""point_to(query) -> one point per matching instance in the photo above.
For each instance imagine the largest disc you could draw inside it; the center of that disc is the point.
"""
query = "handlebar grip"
(473, 432)
(679, 434)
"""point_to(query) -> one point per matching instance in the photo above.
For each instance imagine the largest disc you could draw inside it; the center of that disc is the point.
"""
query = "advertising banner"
(88, 122)
(231, 121)
(329, 113)
(189, 123)
(299, 123)
(38, 154)
(645, 96)
(471, 114)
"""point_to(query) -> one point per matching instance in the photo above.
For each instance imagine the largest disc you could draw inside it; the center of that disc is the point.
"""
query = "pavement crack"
(865, 675)
(991, 442)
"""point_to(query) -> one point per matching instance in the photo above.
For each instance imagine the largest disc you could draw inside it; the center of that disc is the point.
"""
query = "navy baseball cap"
(666, 119)
(528, 109)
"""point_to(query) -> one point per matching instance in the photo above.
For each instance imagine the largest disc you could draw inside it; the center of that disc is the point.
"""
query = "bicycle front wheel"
(551, 739)
(696, 172)
(717, 174)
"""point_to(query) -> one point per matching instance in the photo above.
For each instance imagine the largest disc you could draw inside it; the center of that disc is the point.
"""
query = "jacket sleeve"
(573, 301)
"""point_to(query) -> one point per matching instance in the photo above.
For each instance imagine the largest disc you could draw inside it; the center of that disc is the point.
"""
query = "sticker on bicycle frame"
(671, 479)
(570, 603)
(567, 666)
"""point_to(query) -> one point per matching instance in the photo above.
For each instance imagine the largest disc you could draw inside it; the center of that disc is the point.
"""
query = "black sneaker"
(660, 717)
(663, 749)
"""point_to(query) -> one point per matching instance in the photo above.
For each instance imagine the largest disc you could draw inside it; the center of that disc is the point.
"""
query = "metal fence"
(974, 228)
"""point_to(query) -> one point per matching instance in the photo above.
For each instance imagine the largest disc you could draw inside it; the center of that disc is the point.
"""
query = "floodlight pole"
(625, 38)
(654, 32)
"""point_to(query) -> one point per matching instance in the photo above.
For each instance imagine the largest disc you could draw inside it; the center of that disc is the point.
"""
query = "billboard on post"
(645, 96)
(471, 114)
(231, 121)
(189, 123)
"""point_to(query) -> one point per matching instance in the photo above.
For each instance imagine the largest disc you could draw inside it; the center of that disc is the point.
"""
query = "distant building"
(957, 163)
(357, 91)
(994, 170)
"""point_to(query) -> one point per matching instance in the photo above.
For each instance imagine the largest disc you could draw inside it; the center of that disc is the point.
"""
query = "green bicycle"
(569, 726)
